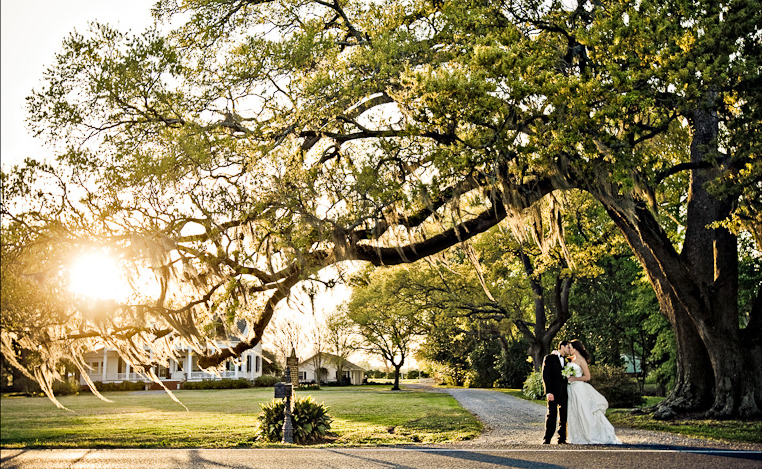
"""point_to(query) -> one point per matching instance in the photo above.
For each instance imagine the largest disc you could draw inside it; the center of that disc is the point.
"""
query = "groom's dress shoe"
(562, 443)
(546, 442)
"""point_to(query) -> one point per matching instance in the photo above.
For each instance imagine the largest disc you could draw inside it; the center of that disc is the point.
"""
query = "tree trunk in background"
(541, 336)
(397, 368)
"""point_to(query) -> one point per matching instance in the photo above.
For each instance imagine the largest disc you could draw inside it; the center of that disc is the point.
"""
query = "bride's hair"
(579, 347)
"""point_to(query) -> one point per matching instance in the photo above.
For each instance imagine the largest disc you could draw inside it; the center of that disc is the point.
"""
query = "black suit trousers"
(556, 408)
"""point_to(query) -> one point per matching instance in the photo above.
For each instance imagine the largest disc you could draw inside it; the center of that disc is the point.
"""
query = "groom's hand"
(550, 397)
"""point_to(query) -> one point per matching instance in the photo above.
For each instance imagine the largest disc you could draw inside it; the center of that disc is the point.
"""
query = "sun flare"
(98, 276)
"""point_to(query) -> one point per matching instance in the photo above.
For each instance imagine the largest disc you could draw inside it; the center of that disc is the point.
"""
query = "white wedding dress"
(586, 422)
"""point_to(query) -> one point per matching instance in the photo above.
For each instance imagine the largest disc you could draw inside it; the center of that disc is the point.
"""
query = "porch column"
(128, 370)
(188, 364)
(105, 364)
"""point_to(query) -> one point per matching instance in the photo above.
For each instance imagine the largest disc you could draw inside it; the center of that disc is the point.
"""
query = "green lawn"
(363, 415)
(723, 430)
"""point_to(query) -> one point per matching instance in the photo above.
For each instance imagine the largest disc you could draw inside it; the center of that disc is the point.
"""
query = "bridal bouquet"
(567, 371)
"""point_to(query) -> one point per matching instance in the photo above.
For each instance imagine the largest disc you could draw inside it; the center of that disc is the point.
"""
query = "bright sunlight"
(97, 275)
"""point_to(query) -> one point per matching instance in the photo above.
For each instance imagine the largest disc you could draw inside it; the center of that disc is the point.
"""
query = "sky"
(32, 33)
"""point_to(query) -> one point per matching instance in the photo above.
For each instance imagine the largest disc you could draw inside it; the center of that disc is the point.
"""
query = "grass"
(366, 415)
(363, 416)
(722, 430)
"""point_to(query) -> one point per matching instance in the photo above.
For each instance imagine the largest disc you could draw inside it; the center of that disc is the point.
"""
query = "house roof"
(333, 358)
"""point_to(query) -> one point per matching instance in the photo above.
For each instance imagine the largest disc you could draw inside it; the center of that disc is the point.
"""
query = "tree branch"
(681, 167)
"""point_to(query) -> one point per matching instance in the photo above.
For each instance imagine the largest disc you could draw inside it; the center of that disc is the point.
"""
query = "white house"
(631, 364)
(108, 367)
(329, 369)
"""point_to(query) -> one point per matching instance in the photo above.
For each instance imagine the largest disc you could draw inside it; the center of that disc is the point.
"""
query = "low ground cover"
(722, 430)
(362, 415)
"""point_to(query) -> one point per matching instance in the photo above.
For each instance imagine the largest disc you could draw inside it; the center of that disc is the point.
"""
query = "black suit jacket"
(552, 378)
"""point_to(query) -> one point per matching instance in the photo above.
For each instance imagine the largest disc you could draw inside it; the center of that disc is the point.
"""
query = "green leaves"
(309, 419)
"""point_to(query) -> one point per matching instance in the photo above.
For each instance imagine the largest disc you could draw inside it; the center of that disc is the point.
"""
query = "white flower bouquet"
(567, 371)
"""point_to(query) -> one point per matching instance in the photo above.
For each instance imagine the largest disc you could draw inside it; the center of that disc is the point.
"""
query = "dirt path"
(510, 421)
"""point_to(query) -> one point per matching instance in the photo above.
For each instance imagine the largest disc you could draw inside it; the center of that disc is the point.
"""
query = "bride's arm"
(585, 370)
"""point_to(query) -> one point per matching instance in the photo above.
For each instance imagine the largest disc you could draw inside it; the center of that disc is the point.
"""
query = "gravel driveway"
(510, 421)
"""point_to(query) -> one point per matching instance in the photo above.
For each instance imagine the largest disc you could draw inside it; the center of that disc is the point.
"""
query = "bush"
(65, 388)
(345, 381)
(481, 360)
(266, 381)
(310, 386)
(618, 388)
(309, 420)
(533, 387)
(239, 383)
(512, 365)
(123, 386)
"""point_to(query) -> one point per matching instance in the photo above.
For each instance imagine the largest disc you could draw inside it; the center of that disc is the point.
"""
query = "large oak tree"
(260, 141)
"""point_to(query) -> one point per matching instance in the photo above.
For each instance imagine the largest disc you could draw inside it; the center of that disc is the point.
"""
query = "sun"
(97, 275)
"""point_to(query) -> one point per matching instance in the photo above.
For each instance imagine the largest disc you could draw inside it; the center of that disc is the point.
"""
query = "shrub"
(265, 381)
(618, 388)
(239, 383)
(482, 372)
(131, 386)
(343, 382)
(123, 386)
(533, 387)
(512, 365)
(309, 420)
(375, 374)
(65, 388)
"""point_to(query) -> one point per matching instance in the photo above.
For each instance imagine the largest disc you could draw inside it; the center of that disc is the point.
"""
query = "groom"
(555, 390)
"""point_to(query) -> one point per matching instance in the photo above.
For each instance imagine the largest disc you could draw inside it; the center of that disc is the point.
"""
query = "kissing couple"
(565, 375)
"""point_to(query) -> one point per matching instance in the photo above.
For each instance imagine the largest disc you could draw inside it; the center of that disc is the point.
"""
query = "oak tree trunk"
(698, 287)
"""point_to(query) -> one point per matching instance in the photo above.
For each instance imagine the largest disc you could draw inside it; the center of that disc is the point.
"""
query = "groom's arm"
(547, 379)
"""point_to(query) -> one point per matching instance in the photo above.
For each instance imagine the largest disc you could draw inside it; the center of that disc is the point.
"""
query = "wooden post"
(293, 364)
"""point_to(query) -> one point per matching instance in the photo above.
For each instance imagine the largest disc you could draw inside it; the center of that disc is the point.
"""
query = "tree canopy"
(253, 143)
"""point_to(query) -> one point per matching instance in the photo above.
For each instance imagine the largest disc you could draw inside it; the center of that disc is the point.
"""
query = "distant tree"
(285, 335)
(319, 359)
(446, 346)
(384, 320)
(270, 364)
(341, 338)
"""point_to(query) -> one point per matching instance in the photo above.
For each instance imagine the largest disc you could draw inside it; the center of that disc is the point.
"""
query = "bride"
(587, 423)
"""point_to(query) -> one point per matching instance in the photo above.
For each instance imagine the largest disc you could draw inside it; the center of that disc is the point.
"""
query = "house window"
(258, 364)
(302, 376)
(345, 373)
(248, 364)
(162, 372)
(96, 365)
